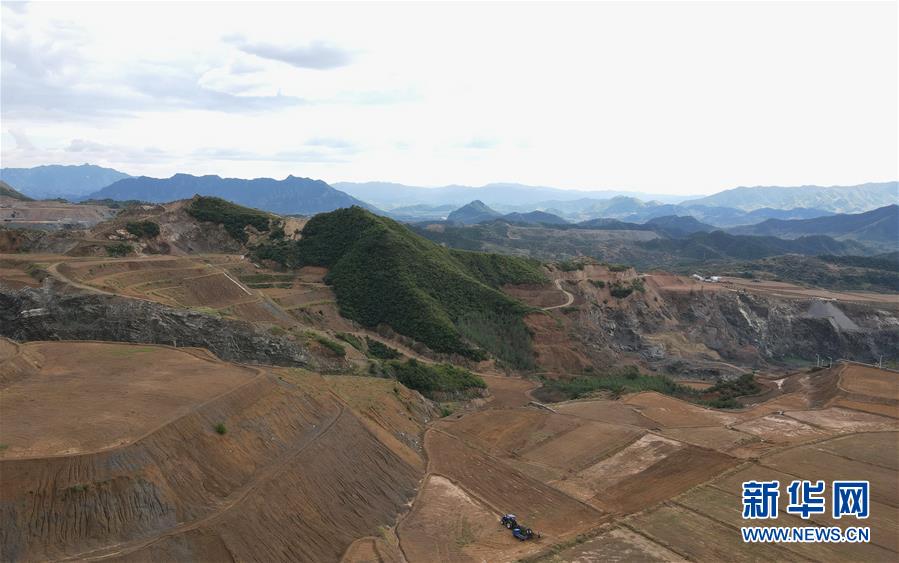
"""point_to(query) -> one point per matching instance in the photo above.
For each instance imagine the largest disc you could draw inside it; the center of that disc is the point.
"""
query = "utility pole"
(817, 360)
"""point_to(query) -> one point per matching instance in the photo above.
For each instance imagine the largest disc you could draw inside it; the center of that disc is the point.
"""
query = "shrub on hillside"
(118, 250)
(235, 218)
(143, 229)
(377, 349)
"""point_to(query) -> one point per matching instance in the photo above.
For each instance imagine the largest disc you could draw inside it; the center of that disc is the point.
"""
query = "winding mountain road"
(568, 294)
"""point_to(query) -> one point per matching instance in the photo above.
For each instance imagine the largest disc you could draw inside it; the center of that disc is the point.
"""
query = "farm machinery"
(520, 532)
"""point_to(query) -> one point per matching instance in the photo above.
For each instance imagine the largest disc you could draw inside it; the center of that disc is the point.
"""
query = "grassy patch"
(331, 345)
(598, 283)
(617, 382)
(619, 267)
(220, 429)
(377, 349)
(435, 381)
(352, 340)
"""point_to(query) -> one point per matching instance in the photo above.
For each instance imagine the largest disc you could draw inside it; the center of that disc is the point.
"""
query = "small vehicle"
(509, 521)
(523, 534)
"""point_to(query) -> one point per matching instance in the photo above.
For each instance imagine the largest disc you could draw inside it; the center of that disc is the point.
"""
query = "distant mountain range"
(503, 196)
(878, 228)
(478, 212)
(291, 196)
(838, 199)
(726, 209)
(70, 182)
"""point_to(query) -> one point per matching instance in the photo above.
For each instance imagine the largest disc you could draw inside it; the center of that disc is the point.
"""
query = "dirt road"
(568, 295)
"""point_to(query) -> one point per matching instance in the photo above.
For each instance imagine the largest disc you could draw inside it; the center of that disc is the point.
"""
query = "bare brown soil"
(871, 382)
(160, 386)
(275, 485)
(50, 214)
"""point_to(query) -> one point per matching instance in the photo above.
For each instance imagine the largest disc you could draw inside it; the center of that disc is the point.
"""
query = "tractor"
(519, 531)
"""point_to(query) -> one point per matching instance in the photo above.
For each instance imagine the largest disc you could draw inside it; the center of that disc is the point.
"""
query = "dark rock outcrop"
(44, 314)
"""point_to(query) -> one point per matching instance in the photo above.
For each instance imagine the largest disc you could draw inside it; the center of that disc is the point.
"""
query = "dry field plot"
(447, 524)
(844, 420)
(726, 508)
(55, 411)
(618, 546)
(670, 412)
(606, 411)
(870, 382)
(646, 472)
(508, 391)
(510, 432)
(503, 489)
(780, 429)
(699, 538)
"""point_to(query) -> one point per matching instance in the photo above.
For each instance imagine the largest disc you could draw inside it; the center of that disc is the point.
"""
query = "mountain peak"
(472, 213)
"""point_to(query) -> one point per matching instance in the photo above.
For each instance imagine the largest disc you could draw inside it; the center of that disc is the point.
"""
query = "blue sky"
(663, 97)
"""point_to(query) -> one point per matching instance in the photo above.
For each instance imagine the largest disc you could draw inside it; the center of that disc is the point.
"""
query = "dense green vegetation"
(142, 229)
(628, 379)
(598, 283)
(726, 392)
(435, 381)
(503, 334)
(377, 349)
(119, 249)
(384, 273)
(618, 267)
(235, 218)
(617, 381)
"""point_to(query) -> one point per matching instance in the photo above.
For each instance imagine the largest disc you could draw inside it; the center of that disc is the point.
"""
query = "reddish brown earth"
(276, 485)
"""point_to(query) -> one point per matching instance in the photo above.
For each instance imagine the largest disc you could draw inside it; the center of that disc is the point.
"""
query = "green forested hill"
(448, 299)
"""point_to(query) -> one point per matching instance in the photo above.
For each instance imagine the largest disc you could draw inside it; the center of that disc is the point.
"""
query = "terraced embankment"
(291, 473)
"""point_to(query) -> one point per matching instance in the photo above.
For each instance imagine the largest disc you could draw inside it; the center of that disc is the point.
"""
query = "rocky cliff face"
(693, 333)
(44, 314)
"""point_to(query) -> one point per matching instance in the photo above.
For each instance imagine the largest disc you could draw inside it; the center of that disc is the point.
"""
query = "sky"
(670, 97)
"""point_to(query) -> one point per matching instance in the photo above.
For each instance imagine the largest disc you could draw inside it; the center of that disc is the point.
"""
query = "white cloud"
(668, 97)
(316, 55)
